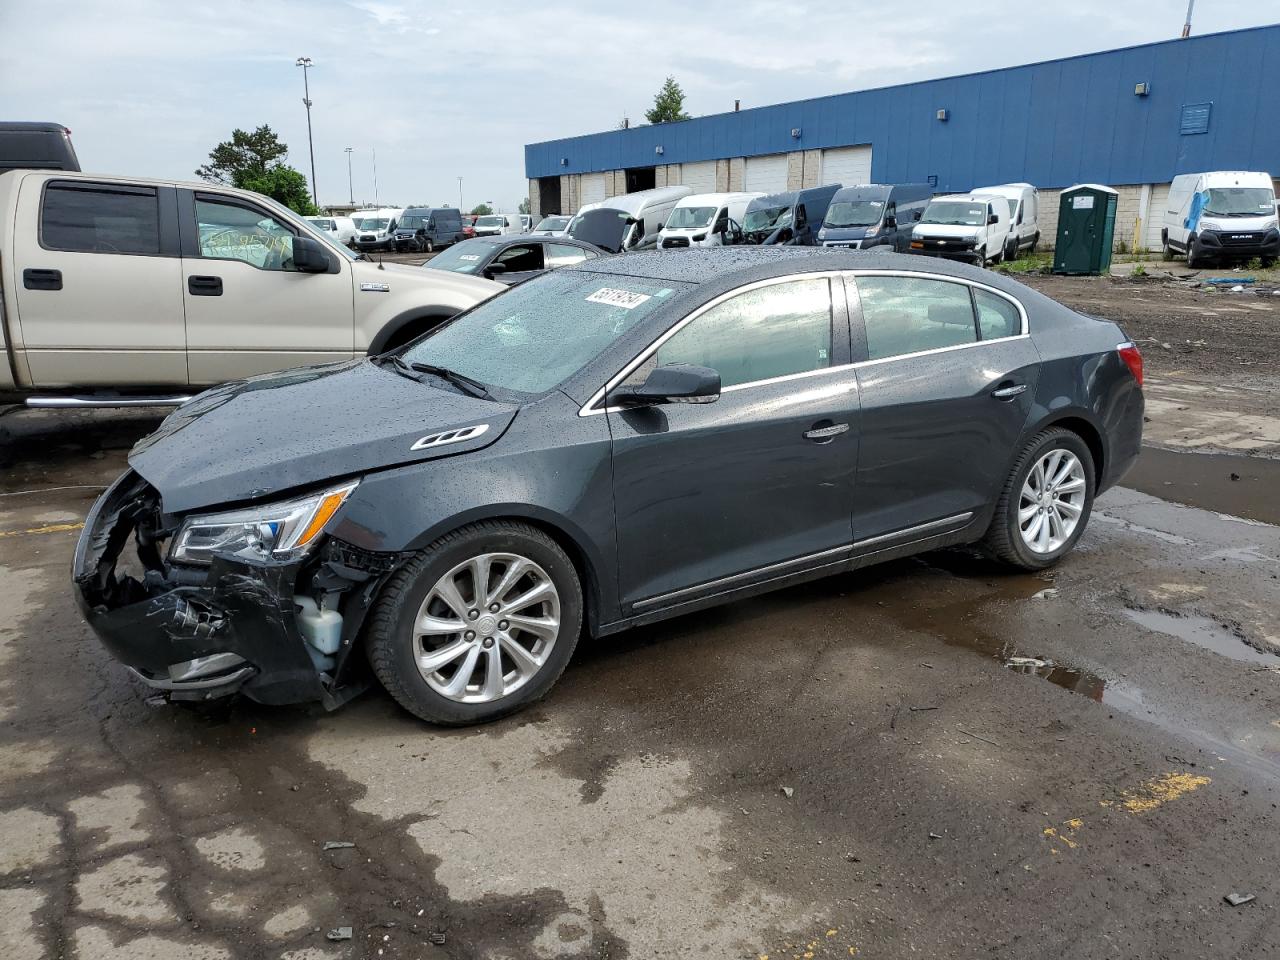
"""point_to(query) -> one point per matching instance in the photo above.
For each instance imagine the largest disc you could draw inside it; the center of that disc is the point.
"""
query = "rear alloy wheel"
(1045, 503)
(481, 624)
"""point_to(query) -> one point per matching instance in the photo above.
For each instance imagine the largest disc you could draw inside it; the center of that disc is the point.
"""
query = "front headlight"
(1210, 225)
(279, 531)
(822, 233)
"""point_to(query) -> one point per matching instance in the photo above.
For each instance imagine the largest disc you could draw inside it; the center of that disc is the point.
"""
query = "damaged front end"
(278, 630)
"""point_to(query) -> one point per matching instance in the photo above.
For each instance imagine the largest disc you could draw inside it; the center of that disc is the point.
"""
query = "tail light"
(1132, 358)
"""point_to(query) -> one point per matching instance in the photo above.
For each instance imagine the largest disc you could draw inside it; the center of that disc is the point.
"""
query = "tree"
(481, 210)
(668, 105)
(524, 206)
(255, 161)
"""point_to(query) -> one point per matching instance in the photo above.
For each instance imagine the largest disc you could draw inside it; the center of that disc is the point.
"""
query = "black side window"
(100, 219)
(801, 218)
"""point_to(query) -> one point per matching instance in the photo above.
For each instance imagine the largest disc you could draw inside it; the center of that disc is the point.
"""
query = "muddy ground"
(933, 758)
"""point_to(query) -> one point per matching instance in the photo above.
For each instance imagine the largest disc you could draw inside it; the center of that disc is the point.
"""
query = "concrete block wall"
(1130, 229)
(535, 201)
(737, 173)
(795, 170)
(722, 176)
(812, 167)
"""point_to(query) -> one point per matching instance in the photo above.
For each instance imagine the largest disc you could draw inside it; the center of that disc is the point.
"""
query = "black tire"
(428, 247)
(1166, 252)
(1003, 538)
(390, 644)
(1035, 242)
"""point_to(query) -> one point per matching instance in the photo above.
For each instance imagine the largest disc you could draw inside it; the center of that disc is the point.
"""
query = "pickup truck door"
(248, 311)
(98, 283)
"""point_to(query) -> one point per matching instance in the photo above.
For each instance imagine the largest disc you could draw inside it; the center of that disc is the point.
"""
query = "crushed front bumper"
(231, 627)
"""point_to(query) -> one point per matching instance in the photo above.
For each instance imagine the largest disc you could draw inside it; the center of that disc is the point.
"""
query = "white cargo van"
(377, 228)
(1024, 214)
(964, 227)
(628, 222)
(704, 220)
(1221, 215)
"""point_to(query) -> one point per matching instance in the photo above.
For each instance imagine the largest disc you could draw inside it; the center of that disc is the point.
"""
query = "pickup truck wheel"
(478, 625)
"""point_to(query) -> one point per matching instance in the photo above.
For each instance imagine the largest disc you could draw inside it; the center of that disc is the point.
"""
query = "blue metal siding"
(1067, 121)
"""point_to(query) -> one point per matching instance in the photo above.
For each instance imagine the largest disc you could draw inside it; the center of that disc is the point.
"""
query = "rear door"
(718, 495)
(947, 385)
(248, 311)
(99, 285)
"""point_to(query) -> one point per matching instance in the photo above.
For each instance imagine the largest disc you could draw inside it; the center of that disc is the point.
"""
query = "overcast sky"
(442, 90)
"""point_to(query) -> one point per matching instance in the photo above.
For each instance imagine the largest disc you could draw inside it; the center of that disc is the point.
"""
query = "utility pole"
(305, 64)
(459, 195)
(1186, 27)
(350, 183)
(375, 175)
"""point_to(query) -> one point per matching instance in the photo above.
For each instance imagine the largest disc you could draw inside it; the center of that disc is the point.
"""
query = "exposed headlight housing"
(822, 233)
(273, 531)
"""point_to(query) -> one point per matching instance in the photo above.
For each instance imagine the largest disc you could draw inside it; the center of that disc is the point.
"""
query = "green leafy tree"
(524, 206)
(668, 105)
(255, 161)
(481, 210)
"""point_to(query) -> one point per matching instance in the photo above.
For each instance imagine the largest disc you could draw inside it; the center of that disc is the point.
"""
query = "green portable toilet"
(1086, 224)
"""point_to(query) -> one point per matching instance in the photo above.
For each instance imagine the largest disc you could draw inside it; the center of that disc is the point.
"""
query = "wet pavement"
(929, 758)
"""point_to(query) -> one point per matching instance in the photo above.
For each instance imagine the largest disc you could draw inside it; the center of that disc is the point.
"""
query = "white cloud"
(149, 86)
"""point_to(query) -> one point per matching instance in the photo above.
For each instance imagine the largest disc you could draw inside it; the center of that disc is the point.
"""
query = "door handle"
(1009, 392)
(826, 434)
(204, 286)
(35, 278)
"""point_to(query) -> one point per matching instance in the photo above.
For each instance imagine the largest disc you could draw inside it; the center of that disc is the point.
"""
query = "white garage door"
(1155, 219)
(593, 188)
(766, 174)
(847, 165)
(700, 176)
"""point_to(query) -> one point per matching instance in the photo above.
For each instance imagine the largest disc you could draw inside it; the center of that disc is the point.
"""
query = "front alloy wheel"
(1051, 501)
(478, 625)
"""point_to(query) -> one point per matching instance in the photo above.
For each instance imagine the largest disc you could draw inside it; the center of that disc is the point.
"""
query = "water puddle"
(1203, 632)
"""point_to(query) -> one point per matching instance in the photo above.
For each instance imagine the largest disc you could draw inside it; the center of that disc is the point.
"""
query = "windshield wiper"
(473, 387)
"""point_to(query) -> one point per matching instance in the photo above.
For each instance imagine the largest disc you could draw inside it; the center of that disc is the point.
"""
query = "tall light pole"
(305, 64)
(375, 175)
(350, 183)
(459, 195)
(1186, 27)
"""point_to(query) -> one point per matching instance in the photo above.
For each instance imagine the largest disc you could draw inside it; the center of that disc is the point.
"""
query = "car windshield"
(374, 223)
(543, 331)
(322, 224)
(766, 218)
(855, 213)
(955, 213)
(685, 218)
(413, 222)
(1240, 202)
(493, 221)
(465, 257)
(552, 223)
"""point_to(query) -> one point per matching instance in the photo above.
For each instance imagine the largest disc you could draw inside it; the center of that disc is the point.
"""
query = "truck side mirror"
(309, 256)
(891, 223)
(993, 219)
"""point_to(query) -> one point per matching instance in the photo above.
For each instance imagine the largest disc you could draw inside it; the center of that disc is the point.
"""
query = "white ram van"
(1024, 214)
(127, 291)
(964, 227)
(1221, 215)
(628, 222)
(705, 220)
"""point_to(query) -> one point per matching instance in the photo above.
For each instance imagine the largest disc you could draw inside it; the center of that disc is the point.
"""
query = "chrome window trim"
(589, 408)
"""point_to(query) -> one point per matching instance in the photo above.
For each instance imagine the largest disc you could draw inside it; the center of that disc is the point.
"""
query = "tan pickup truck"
(119, 291)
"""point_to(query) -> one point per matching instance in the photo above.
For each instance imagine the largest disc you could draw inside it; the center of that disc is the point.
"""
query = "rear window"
(100, 219)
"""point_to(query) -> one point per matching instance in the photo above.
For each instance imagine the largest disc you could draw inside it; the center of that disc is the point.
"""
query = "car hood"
(945, 231)
(604, 227)
(847, 233)
(262, 436)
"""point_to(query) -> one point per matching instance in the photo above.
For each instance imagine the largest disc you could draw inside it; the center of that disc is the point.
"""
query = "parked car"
(553, 226)
(631, 221)
(468, 227)
(339, 229)
(526, 222)
(36, 146)
(497, 224)
(1024, 215)
(791, 218)
(426, 229)
(377, 229)
(604, 446)
(1221, 215)
(705, 220)
(964, 227)
(122, 291)
(874, 215)
(512, 258)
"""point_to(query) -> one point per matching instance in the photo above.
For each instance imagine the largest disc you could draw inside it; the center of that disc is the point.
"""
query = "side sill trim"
(736, 579)
(916, 531)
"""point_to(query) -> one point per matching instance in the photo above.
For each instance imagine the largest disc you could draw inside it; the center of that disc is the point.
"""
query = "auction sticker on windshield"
(618, 298)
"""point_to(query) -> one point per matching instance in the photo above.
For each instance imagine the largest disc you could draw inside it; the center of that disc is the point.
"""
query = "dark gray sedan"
(607, 445)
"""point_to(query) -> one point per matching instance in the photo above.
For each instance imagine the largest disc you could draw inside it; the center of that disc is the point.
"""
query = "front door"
(946, 391)
(248, 311)
(99, 289)
(761, 477)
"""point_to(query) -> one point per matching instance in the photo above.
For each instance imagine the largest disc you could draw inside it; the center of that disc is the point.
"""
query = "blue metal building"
(1134, 116)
